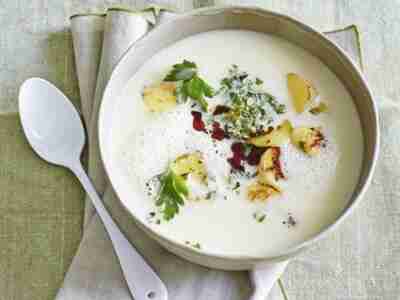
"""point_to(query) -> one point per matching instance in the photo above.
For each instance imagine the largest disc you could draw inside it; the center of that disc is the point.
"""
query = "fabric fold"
(87, 34)
(101, 41)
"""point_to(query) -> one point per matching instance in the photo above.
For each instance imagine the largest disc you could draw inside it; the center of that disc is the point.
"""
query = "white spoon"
(54, 130)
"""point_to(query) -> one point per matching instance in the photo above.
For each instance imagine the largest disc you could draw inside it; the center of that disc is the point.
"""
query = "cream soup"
(219, 217)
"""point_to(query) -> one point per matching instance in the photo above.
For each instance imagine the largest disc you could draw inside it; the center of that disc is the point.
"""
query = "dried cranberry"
(221, 109)
(217, 132)
(253, 158)
(238, 156)
(238, 150)
(198, 123)
(236, 163)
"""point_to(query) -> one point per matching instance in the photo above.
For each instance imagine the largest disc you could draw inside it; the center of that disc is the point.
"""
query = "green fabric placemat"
(41, 211)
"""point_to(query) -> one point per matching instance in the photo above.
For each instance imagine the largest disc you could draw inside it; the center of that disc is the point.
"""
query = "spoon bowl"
(51, 123)
(54, 130)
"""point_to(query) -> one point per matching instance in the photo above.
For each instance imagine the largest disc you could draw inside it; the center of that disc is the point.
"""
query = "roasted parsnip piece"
(191, 163)
(308, 139)
(160, 97)
(273, 137)
(301, 91)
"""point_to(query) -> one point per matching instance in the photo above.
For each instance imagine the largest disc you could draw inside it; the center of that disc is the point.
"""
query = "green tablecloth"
(41, 211)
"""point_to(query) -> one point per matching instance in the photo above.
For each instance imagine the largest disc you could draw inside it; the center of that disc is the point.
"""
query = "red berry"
(217, 132)
(238, 149)
(238, 156)
(235, 163)
(198, 123)
(255, 155)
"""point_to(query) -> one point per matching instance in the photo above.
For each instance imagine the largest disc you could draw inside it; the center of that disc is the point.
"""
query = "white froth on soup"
(218, 215)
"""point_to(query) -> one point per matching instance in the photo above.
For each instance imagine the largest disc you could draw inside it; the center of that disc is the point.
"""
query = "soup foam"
(316, 190)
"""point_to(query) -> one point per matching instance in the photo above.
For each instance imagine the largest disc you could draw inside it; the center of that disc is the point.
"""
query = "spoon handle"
(143, 282)
(263, 278)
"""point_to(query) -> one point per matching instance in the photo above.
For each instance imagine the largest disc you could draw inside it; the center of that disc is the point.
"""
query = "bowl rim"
(291, 251)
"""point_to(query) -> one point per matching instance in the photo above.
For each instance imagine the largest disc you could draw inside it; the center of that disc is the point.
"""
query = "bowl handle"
(263, 278)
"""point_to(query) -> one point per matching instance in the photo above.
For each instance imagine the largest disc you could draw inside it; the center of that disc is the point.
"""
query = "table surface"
(35, 41)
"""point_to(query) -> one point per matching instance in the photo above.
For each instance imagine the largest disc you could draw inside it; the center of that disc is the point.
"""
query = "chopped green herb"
(210, 195)
(259, 216)
(251, 109)
(237, 186)
(172, 193)
(197, 246)
(247, 149)
(194, 245)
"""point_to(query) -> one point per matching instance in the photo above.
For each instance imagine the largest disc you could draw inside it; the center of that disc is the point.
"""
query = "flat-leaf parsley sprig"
(190, 84)
(173, 191)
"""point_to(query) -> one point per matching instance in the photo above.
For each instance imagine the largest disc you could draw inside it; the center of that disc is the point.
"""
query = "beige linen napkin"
(99, 42)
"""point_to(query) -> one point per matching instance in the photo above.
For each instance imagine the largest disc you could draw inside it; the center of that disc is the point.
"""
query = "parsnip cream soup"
(240, 143)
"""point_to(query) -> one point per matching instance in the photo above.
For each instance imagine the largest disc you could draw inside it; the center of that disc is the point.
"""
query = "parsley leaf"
(259, 81)
(207, 89)
(183, 71)
(189, 84)
(181, 94)
(196, 88)
(172, 193)
(271, 100)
